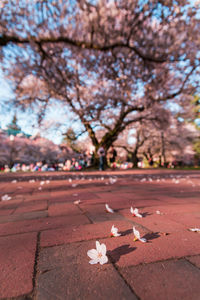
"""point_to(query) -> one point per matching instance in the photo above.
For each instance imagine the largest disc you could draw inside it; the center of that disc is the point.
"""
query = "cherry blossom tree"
(24, 150)
(109, 62)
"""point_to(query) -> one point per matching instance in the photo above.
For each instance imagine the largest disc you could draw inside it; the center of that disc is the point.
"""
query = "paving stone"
(25, 216)
(10, 204)
(29, 207)
(61, 196)
(98, 213)
(65, 273)
(6, 212)
(38, 196)
(180, 208)
(82, 233)
(153, 221)
(42, 224)
(168, 280)
(17, 255)
(59, 209)
(188, 219)
(194, 260)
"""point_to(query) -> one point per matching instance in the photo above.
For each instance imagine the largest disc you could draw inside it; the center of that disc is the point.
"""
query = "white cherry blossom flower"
(135, 212)
(108, 209)
(114, 231)
(6, 198)
(137, 236)
(98, 255)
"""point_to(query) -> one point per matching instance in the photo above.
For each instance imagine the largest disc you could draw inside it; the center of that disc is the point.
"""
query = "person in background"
(101, 153)
(113, 155)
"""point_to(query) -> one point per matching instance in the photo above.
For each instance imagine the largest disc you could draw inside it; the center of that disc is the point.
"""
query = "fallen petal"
(92, 253)
(103, 260)
(94, 261)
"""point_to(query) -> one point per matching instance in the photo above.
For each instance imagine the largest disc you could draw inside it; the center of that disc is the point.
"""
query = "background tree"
(70, 139)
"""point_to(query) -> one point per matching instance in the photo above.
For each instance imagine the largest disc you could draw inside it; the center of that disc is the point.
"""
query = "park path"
(45, 235)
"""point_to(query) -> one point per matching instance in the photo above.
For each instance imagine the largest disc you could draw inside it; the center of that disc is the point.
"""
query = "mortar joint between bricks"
(119, 273)
(35, 271)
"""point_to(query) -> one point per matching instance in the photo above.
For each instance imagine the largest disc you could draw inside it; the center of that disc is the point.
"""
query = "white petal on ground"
(143, 240)
(92, 253)
(194, 229)
(136, 233)
(103, 249)
(94, 261)
(136, 212)
(98, 246)
(131, 210)
(103, 260)
(77, 202)
(114, 231)
(110, 210)
(6, 198)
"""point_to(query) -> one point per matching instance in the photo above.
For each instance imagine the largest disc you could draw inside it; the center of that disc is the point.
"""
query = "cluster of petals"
(137, 236)
(135, 212)
(98, 255)
(114, 231)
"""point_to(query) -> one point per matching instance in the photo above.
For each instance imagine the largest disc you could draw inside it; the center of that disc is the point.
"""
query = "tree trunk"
(134, 159)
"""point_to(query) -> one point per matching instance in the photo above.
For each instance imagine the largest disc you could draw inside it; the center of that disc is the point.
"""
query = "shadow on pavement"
(119, 251)
(151, 236)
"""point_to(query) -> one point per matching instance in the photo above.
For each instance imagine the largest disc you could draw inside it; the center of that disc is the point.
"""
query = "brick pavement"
(44, 236)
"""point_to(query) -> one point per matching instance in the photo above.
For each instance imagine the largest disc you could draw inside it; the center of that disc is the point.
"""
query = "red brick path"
(44, 236)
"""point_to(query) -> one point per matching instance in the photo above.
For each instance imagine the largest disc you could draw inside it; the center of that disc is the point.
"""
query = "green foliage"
(197, 148)
(13, 125)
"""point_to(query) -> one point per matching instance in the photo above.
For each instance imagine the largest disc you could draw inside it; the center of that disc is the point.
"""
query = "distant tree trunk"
(163, 156)
(134, 158)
